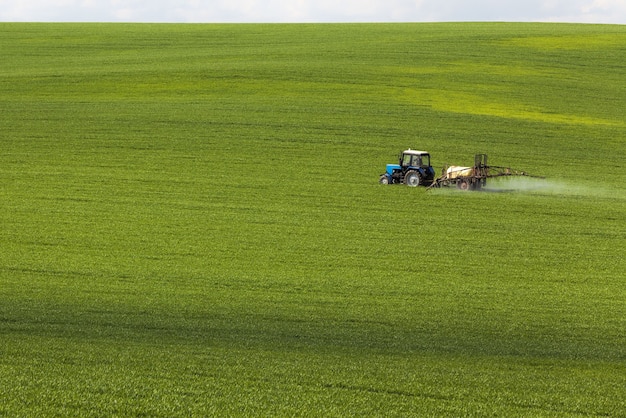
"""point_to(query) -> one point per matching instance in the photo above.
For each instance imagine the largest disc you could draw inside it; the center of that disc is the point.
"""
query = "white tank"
(455, 172)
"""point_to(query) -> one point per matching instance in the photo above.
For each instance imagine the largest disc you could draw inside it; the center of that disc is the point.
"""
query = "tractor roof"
(413, 152)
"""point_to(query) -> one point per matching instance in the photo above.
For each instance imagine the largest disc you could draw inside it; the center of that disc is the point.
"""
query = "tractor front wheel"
(383, 179)
(412, 178)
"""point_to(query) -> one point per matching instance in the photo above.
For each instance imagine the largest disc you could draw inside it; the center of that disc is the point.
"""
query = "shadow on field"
(316, 334)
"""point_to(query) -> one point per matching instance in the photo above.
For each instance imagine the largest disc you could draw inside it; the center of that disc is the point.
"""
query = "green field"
(191, 222)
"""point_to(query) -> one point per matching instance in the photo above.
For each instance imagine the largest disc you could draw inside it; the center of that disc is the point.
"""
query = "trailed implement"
(473, 178)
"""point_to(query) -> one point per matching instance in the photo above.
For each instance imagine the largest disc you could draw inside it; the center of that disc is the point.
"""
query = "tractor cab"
(413, 169)
(410, 158)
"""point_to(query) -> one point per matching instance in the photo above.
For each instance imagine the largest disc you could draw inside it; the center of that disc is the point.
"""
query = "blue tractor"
(414, 170)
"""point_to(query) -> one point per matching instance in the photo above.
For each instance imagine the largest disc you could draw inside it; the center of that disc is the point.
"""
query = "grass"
(191, 222)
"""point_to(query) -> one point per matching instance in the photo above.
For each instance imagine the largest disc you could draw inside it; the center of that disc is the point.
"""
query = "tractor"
(413, 169)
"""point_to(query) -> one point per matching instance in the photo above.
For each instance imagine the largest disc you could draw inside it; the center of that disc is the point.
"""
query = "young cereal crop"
(191, 223)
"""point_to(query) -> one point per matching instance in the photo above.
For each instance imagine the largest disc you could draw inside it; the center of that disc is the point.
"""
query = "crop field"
(191, 222)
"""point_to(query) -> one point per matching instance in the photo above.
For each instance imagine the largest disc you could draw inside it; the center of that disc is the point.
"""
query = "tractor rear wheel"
(412, 178)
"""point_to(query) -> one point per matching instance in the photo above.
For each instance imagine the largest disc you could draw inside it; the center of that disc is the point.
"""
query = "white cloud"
(597, 11)
(586, 11)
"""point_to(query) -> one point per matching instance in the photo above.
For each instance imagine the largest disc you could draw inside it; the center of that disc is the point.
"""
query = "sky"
(297, 11)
